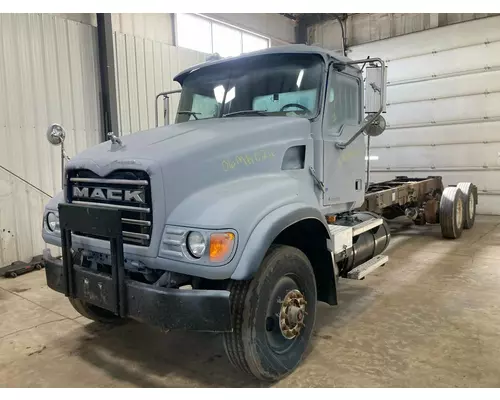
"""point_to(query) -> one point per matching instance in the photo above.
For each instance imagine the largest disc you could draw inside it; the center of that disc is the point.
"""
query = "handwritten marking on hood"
(247, 159)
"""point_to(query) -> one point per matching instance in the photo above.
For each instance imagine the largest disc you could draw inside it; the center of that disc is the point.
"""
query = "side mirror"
(375, 85)
(56, 134)
(375, 127)
(375, 89)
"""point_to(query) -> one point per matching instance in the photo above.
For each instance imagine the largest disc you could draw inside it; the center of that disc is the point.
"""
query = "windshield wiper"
(194, 114)
(246, 112)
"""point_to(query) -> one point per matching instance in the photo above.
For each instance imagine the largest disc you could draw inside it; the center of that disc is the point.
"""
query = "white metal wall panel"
(154, 26)
(145, 68)
(438, 39)
(48, 73)
(454, 61)
(483, 81)
(443, 109)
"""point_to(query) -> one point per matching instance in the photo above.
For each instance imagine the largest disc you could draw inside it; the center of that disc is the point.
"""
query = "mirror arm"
(63, 172)
(343, 145)
(165, 97)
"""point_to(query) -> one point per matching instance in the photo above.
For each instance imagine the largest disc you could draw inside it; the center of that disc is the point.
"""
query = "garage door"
(443, 108)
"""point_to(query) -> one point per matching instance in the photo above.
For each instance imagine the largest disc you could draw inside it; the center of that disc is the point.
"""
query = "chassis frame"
(196, 309)
(417, 198)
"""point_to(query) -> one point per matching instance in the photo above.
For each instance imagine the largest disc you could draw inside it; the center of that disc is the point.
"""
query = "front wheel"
(95, 313)
(273, 315)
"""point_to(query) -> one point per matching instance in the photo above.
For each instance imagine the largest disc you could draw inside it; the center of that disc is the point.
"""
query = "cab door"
(343, 170)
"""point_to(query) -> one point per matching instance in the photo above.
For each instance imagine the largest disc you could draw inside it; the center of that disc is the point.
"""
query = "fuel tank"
(364, 246)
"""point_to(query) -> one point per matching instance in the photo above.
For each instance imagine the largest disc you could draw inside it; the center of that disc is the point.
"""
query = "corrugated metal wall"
(48, 73)
(145, 68)
(443, 109)
(154, 26)
(367, 27)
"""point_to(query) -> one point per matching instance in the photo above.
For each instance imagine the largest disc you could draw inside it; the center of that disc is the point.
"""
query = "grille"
(128, 191)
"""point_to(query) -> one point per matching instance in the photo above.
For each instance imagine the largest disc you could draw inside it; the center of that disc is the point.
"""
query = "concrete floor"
(430, 317)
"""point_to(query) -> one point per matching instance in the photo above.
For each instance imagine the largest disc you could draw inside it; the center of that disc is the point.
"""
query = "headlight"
(52, 222)
(196, 244)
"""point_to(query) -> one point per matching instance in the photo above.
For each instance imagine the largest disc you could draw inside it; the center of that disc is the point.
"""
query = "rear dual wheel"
(457, 209)
(273, 315)
(451, 213)
(469, 199)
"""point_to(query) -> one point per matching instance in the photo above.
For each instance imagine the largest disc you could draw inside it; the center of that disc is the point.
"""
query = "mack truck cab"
(239, 217)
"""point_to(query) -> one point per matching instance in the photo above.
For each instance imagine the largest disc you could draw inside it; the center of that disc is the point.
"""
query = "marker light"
(221, 246)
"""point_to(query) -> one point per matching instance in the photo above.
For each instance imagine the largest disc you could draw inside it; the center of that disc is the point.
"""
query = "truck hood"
(209, 161)
(205, 138)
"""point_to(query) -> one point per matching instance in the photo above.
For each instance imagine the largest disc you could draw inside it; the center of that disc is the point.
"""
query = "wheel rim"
(471, 206)
(460, 213)
(292, 314)
(286, 314)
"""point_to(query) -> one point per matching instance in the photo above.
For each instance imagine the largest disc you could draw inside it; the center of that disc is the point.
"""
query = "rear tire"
(451, 213)
(95, 313)
(268, 339)
(469, 198)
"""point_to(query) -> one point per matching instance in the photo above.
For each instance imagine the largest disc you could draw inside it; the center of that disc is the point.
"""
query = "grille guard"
(198, 310)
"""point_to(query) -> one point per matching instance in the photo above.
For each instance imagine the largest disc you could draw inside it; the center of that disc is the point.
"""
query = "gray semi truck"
(244, 213)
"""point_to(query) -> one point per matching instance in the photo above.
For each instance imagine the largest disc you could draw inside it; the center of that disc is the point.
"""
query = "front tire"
(273, 315)
(95, 313)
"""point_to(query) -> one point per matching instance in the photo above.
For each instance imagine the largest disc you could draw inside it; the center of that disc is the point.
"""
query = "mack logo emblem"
(109, 194)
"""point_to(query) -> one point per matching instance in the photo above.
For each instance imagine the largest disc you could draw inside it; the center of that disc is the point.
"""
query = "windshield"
(270, 85)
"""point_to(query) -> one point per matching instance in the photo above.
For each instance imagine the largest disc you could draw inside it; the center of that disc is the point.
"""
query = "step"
(366, 226)
(369, 266)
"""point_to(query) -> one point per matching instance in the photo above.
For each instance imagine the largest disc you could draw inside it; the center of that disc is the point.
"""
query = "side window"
(342, 102)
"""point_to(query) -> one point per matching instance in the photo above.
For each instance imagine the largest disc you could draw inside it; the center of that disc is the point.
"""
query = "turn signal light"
(330, 219)
(221, 245)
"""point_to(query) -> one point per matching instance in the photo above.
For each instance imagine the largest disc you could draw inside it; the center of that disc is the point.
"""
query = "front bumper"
(197, 310)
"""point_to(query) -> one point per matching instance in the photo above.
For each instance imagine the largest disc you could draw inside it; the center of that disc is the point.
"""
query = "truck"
(244, 213)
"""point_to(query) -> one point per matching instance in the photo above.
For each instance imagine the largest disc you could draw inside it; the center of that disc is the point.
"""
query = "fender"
(266, 231)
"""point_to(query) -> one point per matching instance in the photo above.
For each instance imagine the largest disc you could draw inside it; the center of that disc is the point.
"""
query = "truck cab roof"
(288, 49)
